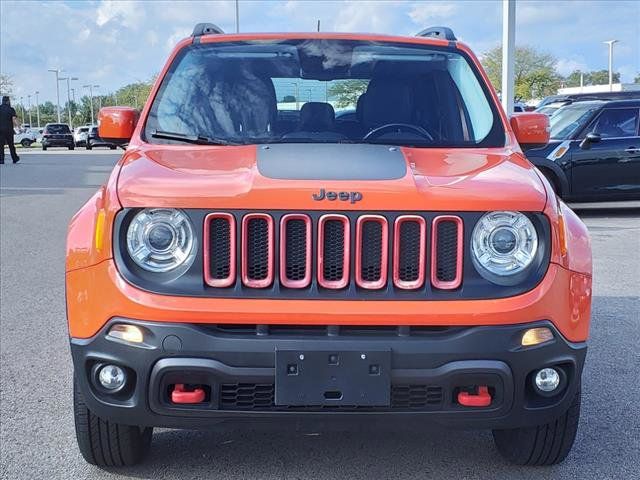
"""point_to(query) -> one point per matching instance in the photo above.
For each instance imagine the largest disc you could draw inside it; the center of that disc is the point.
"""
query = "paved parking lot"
(38, 197)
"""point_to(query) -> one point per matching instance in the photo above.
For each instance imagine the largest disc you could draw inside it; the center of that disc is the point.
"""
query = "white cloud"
(567, 65)
(424, 13)
(129, 14)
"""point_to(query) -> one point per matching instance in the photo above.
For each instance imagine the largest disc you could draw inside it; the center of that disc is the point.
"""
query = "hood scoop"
(302, 161)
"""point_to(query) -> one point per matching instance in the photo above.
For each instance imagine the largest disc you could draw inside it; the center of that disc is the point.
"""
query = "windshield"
(313, 91)
(566, 121)
(58, 128)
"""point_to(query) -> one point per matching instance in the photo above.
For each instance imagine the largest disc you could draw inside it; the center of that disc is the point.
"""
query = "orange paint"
(227, 177)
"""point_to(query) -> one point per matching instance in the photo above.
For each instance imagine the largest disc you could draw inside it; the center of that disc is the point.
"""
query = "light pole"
(38, 108)
(57, 72)
(29, 107)
(508, 54)
(611, 43)
(237, 16)
(22, 108)
(91, 87)
(68, 79)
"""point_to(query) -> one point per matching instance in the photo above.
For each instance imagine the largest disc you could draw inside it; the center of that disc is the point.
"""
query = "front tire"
(88, 147)
(546, 444)
(26, 143)
(104, 443)
(71, 148)
(44, 147)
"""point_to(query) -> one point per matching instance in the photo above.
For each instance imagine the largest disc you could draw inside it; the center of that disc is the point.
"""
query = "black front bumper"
(428, 367)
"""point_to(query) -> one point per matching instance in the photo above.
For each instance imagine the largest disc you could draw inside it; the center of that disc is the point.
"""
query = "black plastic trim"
(449, 359)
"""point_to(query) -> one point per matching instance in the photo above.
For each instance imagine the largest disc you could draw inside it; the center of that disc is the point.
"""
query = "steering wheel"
(379, 131)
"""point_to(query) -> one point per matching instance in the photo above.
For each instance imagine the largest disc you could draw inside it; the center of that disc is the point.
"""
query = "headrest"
(386, 101)
(317, 117)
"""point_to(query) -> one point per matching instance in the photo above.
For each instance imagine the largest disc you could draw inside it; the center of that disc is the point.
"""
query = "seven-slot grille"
(334, 249)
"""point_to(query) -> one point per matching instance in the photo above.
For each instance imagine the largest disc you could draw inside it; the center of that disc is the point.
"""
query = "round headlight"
(503, 244)
(161, 240)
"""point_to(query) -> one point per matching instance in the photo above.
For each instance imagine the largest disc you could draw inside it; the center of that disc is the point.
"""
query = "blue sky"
(111, 43)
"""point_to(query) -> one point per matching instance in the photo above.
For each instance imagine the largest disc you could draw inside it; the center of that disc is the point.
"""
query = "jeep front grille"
(333, 251)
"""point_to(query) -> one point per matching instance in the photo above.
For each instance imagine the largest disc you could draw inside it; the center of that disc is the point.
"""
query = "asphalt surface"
(38, 197)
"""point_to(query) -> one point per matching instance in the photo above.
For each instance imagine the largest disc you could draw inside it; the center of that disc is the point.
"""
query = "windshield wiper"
(195, 139)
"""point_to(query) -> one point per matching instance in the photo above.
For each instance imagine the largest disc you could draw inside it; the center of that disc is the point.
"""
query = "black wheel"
(104, 443)
(25, 142)
(72, 147)
(44, 147)
(88, 147)
(546, 444)
(112, 147)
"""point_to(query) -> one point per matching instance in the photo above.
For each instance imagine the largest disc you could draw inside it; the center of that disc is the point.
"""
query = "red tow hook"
(181, 395)
(481, 399)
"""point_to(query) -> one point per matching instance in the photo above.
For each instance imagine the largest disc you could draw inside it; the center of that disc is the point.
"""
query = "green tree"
(346, 93)
(6, 84)
(637, 79)
(595, 77)
(534, 72)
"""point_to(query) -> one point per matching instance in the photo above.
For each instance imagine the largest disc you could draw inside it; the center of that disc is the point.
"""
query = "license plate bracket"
(333, 378)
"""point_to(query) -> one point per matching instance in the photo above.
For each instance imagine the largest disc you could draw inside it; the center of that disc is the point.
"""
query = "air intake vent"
(446, 255)
(372, 239)
(409, 252)
(220, 249)
(295, 251)
(257, 250)
(333, 251)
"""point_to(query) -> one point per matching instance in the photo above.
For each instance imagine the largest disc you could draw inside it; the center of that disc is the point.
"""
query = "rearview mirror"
(531, 129)
(116, 124)
(589, 139)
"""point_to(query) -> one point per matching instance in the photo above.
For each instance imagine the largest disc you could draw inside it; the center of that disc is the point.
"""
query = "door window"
(616, 123)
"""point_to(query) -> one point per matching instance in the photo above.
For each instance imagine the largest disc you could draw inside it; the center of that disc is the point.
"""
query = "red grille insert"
(295, 250)
(409, 252)
(334, 240)
(446, 252)
(257, 250)
(219, 249)
(372, 247)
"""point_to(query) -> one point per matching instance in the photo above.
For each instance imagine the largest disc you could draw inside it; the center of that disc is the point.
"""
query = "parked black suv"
(594, 151)
(94, 140)
(57, 135)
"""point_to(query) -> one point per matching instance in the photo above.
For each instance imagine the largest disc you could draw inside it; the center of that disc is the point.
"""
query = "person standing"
(8, 119)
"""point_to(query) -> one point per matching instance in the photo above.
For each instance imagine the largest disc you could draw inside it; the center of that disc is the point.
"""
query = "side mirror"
(589, 139)
(116, 124)
(531, 129)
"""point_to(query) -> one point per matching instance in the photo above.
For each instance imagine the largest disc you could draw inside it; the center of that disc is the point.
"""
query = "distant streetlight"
(91, 87)
(611, 43)
(29, 107)
(57, 72)
(38, 108)
(22, 107)
(68, 79)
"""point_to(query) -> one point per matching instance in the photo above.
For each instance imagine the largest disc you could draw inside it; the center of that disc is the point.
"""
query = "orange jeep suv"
(326, 227)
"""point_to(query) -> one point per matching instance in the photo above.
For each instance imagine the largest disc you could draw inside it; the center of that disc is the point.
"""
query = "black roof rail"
(444, 33)
(206, 29)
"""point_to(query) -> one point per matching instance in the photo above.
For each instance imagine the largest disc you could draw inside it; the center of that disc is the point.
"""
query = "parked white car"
(80, 135)
(25, 137)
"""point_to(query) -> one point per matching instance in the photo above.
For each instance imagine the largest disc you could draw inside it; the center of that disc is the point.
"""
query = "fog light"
(547, 380)
(112, 377)
(536, 336)
(128, 333)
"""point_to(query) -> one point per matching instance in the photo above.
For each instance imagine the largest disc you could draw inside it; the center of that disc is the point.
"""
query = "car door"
(610, 168)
